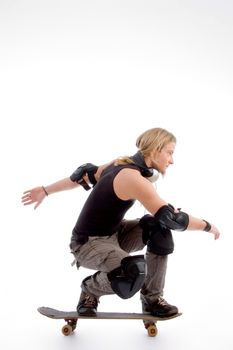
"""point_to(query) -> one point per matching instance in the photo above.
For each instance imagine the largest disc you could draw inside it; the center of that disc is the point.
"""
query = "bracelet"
(207, 227)
(45, 191)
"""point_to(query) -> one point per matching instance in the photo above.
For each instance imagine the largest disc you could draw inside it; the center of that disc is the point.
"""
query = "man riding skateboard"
(103, 240)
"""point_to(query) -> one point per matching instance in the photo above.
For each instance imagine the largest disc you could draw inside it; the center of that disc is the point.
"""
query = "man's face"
(161, 160)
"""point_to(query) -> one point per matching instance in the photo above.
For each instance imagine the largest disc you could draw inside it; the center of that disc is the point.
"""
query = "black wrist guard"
(88, 169)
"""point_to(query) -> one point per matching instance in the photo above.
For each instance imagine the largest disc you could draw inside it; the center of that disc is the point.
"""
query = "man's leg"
(130, 236)
(103, 254)
(130, 239)
(155, 277)
(118, 272)
(153, 288)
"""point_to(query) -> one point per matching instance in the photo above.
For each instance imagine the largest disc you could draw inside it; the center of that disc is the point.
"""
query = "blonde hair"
(149, 140)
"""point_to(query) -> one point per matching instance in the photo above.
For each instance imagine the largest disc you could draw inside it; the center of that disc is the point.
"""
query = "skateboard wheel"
(152, 330)
(67, 329)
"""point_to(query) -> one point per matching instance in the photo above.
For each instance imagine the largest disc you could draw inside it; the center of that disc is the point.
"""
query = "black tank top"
(103, 211)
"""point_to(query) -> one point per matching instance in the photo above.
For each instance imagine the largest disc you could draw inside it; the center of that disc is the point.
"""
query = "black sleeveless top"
(103, 211)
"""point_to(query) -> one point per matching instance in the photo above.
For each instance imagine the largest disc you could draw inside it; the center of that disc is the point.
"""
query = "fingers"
(217, 235)
(35, 195)
(27, 202)
(26, 193)
(27, 198)
(30, 201)
(37, 204)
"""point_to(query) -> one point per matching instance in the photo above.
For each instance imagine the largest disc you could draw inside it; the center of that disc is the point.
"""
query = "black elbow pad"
(168, 218)
(89, 169)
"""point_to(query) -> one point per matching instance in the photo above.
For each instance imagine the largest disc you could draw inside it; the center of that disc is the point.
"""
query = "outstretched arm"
(130, 184)
(37, 194)
(202, 225)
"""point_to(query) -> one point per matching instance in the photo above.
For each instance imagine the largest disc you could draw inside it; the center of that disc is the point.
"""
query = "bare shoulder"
(129, 183)
(130, 175)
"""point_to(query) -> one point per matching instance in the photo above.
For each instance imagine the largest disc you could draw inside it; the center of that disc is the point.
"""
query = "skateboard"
(71, 318)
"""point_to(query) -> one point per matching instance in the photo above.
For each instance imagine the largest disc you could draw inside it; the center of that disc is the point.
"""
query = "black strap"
(84, 184)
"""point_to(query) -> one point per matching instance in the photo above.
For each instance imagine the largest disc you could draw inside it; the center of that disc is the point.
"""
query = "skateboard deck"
(71, 318)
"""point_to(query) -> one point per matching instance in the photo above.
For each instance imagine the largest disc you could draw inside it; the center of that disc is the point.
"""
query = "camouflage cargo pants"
(105, 254)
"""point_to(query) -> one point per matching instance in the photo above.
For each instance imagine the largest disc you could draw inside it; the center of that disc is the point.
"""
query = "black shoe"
(87, 305)
(159, 308)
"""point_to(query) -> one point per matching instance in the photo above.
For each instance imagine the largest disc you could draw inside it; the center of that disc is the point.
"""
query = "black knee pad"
(161, 242)
(127, 279)
(159, 239)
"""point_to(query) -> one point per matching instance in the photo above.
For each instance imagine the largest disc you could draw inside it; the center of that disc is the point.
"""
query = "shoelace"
(90, 301)
(162, 301)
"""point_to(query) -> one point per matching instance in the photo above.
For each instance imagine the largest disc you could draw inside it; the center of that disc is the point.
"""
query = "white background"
(80, 80)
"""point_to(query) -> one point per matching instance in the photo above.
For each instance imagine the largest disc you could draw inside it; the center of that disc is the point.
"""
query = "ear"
(154, 154)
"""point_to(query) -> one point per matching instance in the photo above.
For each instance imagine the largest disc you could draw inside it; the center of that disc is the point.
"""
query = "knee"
(159, 239)
(128, 278)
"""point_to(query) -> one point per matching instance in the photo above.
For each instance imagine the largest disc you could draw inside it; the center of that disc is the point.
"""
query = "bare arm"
(37, 195)
(129, 184)
(199, 225)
